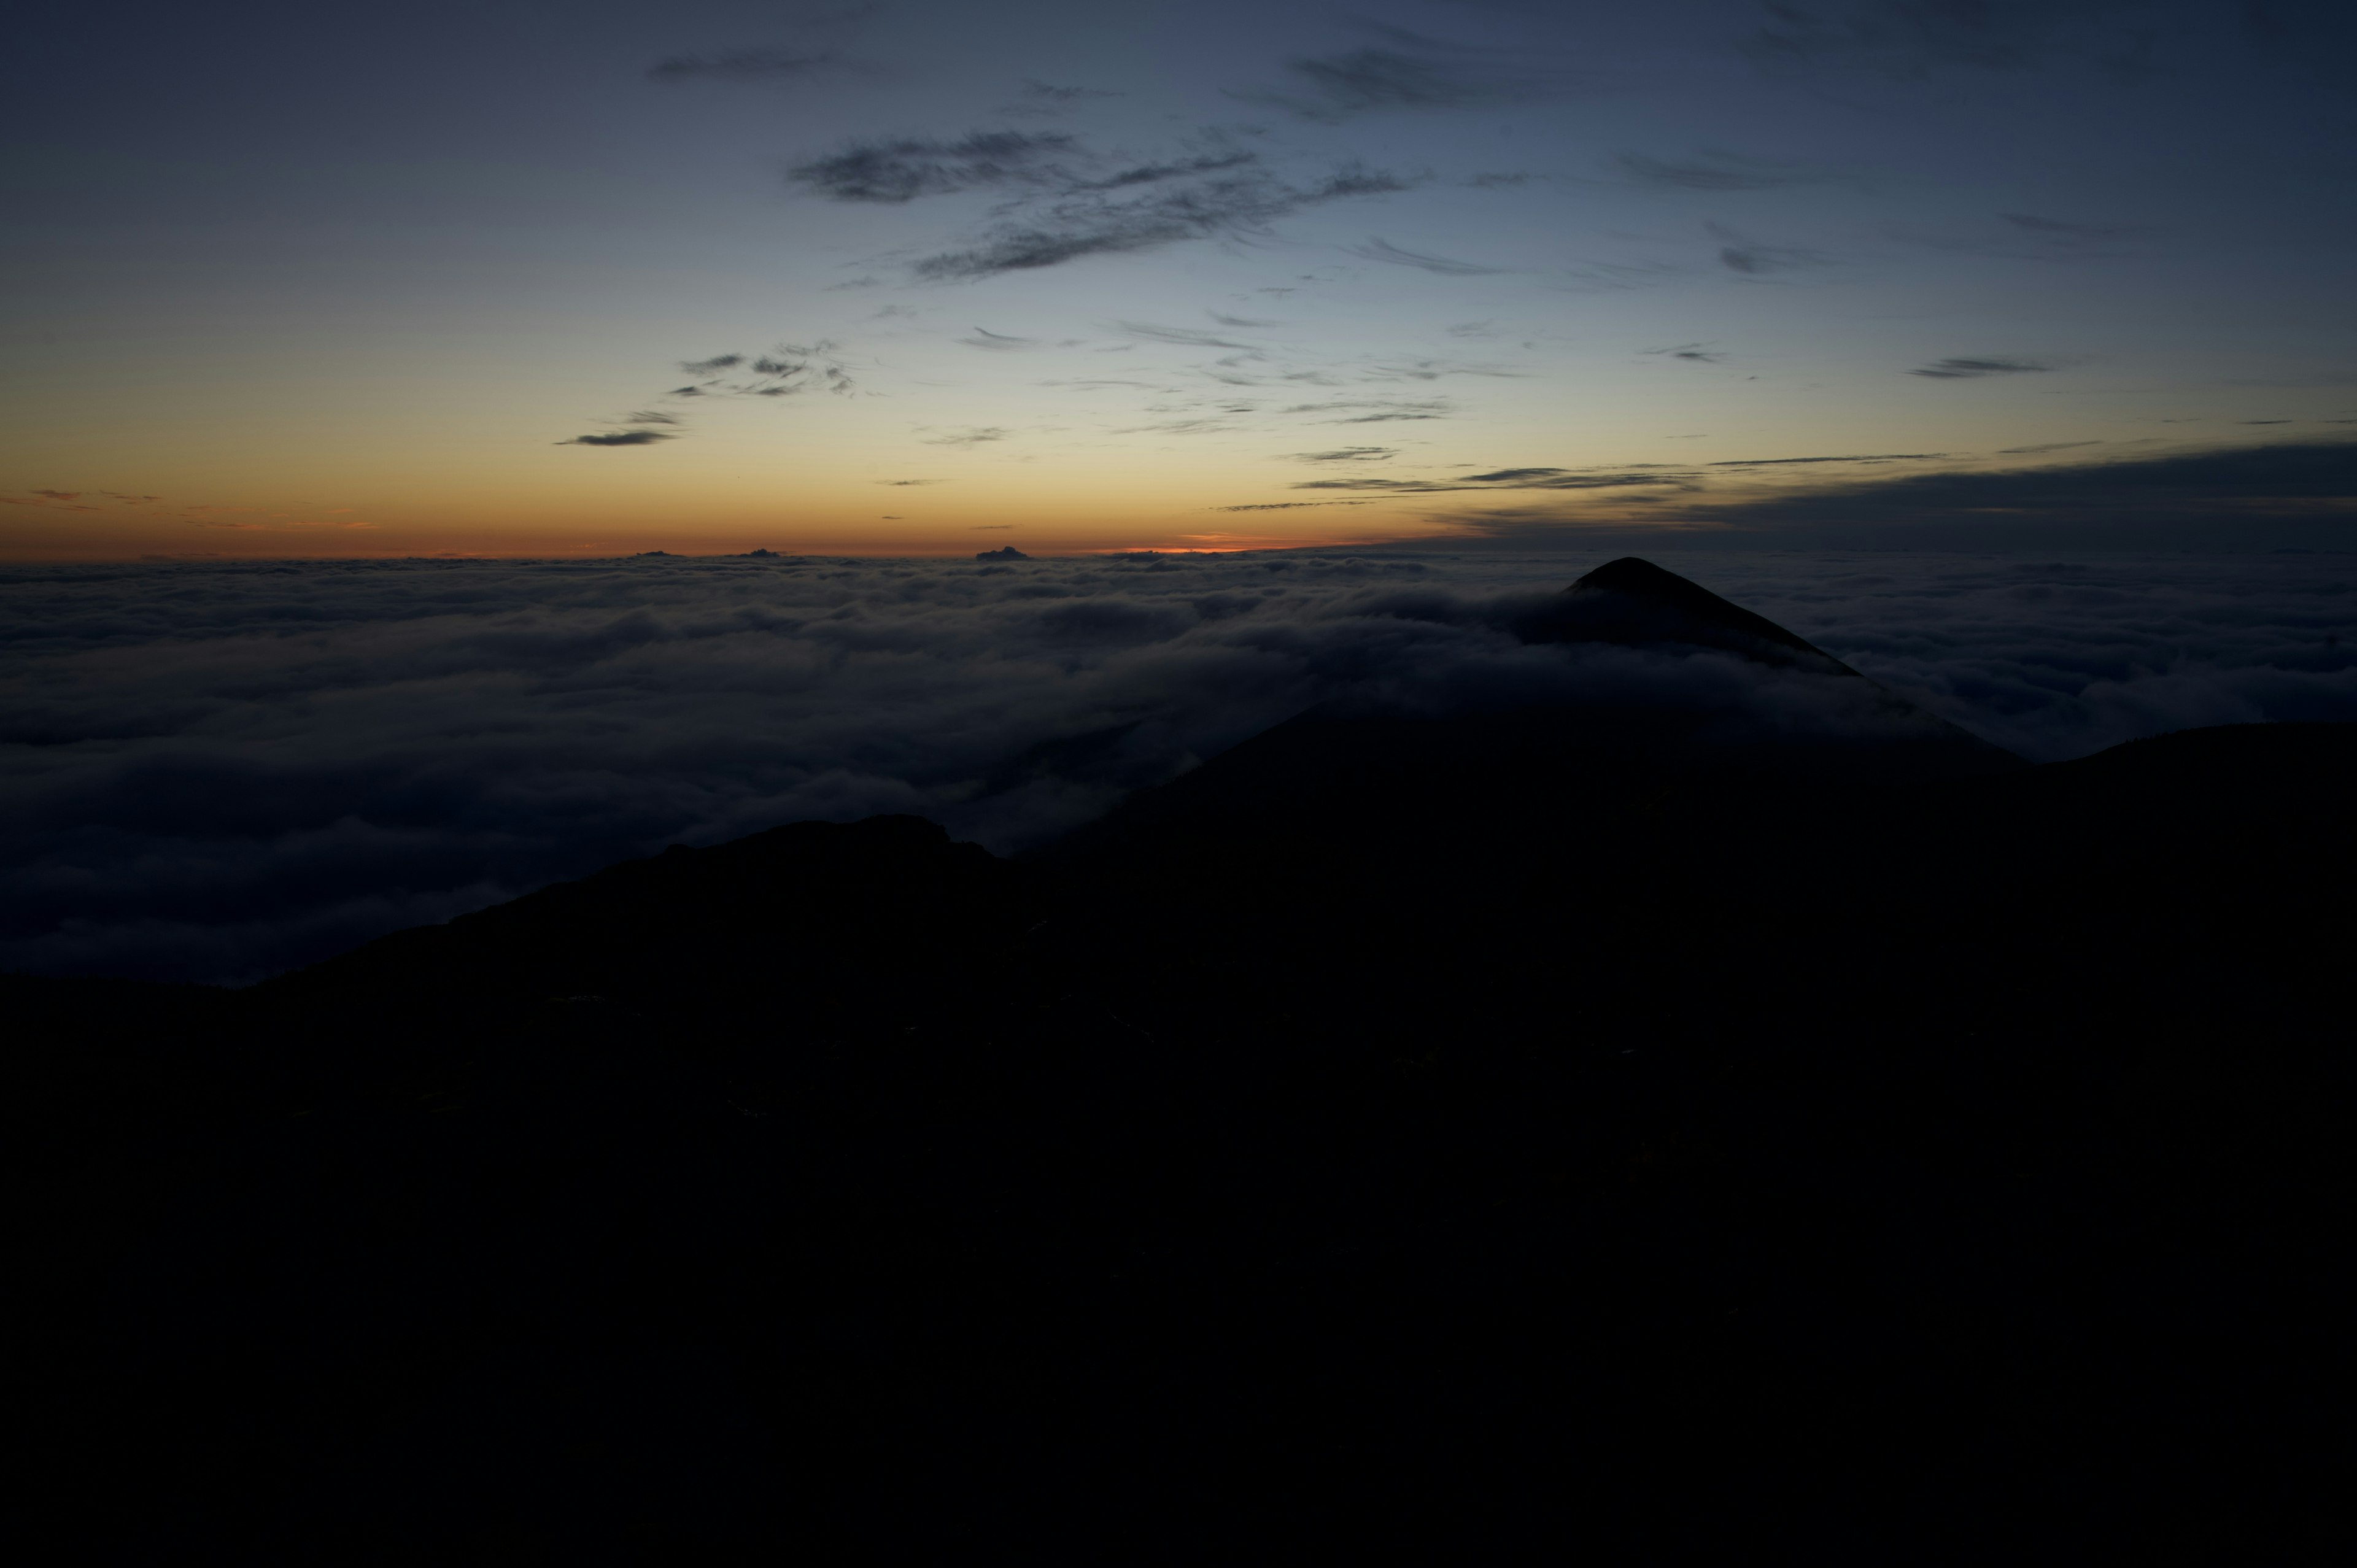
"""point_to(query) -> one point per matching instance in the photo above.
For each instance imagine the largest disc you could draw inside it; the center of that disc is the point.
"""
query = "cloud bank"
(2287, 496)
(220, 771)
(2245, 490)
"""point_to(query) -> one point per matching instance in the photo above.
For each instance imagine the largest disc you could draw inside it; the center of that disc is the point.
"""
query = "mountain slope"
(1791, 717)
(1460, 1139)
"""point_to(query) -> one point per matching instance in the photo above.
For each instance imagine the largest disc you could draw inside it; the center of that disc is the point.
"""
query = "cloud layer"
(2294, 496)
(2139, 498)
(221, 772)
(1065, 200)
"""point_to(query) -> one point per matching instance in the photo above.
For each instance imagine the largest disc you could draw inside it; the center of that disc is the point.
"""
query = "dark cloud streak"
(748, 65)
(1970, 368)
(1286, 506)
(1506, 479)
(901, 169)
(1394, 255)
(1861, 457)
(1063, 208)
(2248, 498)
(1240, 200)
(621, 438)
(1406, 71)
(1711, 171)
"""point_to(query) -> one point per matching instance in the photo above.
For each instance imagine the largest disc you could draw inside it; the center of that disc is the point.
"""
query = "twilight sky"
(588, 278)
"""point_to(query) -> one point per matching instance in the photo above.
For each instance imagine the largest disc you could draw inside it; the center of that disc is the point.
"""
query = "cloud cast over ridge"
(471, 730)
(2295, 496)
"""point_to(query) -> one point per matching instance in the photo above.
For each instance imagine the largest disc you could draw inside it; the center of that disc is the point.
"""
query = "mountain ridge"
(1533, 757)
(1696, 1158)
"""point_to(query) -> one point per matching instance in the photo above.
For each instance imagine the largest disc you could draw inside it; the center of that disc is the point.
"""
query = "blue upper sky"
(518, 278)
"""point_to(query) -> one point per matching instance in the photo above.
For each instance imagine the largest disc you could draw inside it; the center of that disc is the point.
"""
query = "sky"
(589, 279)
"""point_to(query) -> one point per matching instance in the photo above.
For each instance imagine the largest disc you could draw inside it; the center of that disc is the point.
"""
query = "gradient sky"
(291, 280)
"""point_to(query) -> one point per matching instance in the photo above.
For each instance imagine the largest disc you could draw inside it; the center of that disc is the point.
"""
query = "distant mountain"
(1563, 1130)
(1634, 602)
(1349, 768)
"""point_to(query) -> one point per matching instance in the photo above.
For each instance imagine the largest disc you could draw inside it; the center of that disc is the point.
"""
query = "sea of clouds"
(216, 771)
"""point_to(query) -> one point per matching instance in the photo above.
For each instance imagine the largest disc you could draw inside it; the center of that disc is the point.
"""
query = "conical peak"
(1686, 610)
(1635, 574)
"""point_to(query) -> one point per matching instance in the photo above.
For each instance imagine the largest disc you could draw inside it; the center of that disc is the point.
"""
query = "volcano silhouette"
(1346, 768)
(1633, 602)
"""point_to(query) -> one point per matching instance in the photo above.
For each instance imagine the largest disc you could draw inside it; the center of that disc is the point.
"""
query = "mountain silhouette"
(1561, 1128)
(1522, 765)
(1632, 601)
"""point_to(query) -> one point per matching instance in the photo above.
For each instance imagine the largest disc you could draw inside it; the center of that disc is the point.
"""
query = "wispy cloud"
(1283, 506)
(787, 370)
(279, 522)
(1240, 198)
(1432, 371)
(1384, 251)
(1192, 337)
(971, 435)
(1510, 479)
(820, 39)
(901, 169)
(621, 438)
(1854, 458)
(1376, 411)
(2024, 236)
(1405, 71)
(758, 65)
(1068, 200)
(1179, 427)
(1750, 258)
(1156, 173)
(2057, 227)
(1960, 370)
(67, 500)
(1347, 454)
(998, 342)
(1697, 353)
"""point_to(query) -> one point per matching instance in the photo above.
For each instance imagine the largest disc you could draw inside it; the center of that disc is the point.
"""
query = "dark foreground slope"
(1714, 1151)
